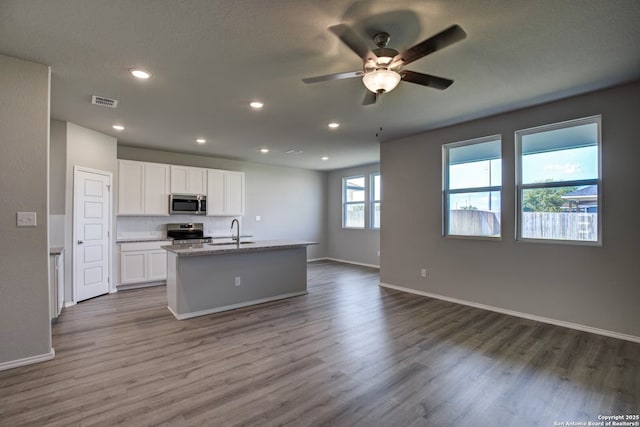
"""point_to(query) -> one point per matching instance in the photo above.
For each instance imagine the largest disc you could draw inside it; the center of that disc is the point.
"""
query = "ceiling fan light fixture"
(381, 80)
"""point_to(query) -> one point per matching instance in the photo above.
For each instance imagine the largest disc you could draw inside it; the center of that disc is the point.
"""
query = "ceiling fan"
(382, 67)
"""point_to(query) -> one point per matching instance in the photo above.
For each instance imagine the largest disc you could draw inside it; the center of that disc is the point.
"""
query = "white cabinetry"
(188, 180)
(143, 188)
(143, 262)
(56, 278)
(225, 193)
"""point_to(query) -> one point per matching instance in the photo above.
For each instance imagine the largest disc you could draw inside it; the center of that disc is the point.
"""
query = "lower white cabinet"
(56, 283)
(143, 262)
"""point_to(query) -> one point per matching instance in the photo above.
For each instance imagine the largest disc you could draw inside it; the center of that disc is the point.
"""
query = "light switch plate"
(258, 218)
(26, 219)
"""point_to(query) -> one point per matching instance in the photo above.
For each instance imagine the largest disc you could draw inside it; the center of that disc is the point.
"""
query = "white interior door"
(92, 205)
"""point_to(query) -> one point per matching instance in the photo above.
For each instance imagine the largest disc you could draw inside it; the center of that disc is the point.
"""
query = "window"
(375, 201)
(558, 182)
(472, 187)
(353, 202)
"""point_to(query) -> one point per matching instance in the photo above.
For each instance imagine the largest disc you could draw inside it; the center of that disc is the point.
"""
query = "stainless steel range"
(187, 233)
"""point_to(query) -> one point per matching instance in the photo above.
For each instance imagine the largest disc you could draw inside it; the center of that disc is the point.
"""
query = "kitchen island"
(212, 277)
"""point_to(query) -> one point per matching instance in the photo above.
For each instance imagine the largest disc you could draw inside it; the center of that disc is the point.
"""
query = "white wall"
(597, 287)
(291, 202)
(358, 246)
(25, 328)
(91, 149)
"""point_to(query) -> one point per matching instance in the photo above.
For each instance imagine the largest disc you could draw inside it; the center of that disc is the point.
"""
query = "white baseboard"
(351, 262)
(556, 322)
(316, 259)
(69, 304)
(234, 306)
(28, 360)
(140, 285)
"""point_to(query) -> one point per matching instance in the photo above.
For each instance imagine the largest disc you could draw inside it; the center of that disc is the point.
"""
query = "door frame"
(74, 233)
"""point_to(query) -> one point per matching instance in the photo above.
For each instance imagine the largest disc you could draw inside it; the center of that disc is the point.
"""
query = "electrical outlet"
(423, 272)
(258, 218)
(237, 281)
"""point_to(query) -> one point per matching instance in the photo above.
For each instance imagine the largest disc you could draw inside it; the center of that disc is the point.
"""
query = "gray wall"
(25, 329)
(91, 149)
(291, 202)
(57, 167)
(591, 286)
(359, 246)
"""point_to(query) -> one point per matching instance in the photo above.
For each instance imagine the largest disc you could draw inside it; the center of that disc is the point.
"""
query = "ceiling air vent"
(105, 102)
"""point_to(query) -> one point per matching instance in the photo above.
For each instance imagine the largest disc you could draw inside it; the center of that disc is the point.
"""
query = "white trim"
(141, 285)
(352, 262)
(69, 304)
(28, 360)
(556, 322)
(234, 306)
(316, 259)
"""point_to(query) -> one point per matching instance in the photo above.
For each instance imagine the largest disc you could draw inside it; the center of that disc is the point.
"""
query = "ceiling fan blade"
(337, 76)
(369, 98)
(445, 38)
(434, 82)
(351, 39)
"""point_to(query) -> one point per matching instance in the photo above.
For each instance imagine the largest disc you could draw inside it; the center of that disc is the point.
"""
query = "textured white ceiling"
(210, 58)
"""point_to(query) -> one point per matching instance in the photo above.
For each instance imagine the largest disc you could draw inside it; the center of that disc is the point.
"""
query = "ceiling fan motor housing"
(381, 39)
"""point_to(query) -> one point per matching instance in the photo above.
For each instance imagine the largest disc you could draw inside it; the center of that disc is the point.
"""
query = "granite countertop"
(168, 239)
(217, 249)
(143, 239)
(56, 250)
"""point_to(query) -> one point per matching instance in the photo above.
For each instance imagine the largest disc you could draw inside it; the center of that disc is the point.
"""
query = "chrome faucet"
(237, 236)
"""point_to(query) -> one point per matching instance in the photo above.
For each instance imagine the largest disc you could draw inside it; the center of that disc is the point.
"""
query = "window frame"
(519, 186)
(373, 200)
(446, 191)
(346, 203)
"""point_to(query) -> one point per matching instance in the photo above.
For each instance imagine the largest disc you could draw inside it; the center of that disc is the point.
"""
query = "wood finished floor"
(348, 353)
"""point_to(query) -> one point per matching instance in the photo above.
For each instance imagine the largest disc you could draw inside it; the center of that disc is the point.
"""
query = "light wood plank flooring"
(348, 353)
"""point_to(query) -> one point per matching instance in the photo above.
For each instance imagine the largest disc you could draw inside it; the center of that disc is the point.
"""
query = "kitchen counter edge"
(143, 239)
(207, 249)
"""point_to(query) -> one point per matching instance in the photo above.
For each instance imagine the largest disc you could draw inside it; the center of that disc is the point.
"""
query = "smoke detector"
(105, 102)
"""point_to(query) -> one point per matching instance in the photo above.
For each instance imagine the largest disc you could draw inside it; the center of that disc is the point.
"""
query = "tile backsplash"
(136, 227)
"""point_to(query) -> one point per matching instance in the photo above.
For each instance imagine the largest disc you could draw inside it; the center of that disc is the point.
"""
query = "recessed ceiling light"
(292, 151)
(141, 74)
(118, 127)
(334, 125)
(324, 158)
(201, 140)
(256, 105)
(264, 150)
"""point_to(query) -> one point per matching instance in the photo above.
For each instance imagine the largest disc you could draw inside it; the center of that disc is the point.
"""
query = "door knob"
(80, 242)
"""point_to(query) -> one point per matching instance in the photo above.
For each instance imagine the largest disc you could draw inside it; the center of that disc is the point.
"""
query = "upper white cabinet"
(143, 188)
(234, 186)
(225, 193)
(188, 180)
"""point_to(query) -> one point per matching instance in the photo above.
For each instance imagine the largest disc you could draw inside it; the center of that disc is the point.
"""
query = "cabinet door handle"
(80, 242)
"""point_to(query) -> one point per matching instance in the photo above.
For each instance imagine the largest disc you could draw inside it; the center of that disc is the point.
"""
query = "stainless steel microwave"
(187, 204)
